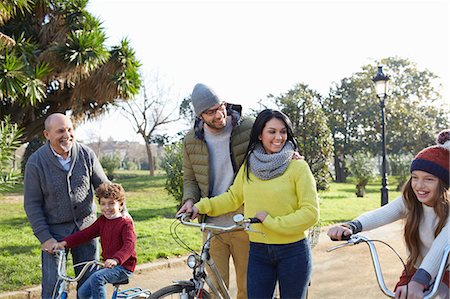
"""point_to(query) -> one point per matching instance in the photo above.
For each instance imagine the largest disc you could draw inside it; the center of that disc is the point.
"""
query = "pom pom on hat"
(435, 159)
(443, 139)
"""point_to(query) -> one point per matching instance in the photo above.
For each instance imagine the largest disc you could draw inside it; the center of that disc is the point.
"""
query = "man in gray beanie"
(214, 150)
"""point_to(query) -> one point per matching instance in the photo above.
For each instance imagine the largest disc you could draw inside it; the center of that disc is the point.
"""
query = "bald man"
(59, 183)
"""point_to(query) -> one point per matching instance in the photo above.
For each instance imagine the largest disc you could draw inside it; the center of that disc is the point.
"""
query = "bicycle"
(194, 288)
(359, 238)
(62, 291)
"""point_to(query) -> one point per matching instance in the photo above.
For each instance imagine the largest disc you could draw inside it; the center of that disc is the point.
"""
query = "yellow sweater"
(290, 201)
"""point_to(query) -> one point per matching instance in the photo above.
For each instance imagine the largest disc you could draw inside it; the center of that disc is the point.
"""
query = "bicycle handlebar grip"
(343, 238)
(254, 220)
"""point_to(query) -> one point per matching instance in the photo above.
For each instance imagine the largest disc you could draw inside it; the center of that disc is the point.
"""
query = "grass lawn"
(152, 210)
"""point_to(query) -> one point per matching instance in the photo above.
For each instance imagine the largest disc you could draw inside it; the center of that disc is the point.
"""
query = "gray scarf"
(268, 166)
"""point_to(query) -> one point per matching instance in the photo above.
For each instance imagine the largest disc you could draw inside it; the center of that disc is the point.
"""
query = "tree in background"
(354, 116)
(9, 142)
(187, 111)
(342, 121)
(148, 113)
(362, 167)
(302, 105)
(172, 164)
(8, 9)
(59, 63)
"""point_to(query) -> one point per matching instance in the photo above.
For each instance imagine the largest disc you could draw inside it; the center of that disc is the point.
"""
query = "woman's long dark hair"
(258, 126)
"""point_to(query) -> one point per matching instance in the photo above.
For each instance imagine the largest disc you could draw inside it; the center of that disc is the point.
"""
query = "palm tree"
(59, 63)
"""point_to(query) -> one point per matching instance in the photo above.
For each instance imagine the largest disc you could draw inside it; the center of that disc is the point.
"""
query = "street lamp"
(381, 86)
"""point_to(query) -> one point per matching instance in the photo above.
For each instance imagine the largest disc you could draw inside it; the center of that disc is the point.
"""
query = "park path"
(341, 274)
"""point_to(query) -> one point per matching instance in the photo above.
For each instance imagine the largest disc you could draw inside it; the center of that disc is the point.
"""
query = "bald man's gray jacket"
(56, 199)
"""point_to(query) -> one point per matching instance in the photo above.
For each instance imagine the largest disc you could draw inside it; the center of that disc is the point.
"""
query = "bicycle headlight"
(192, 261)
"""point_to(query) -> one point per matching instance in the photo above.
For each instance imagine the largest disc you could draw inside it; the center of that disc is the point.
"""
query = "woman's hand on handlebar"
(261, 216)
(336, 232)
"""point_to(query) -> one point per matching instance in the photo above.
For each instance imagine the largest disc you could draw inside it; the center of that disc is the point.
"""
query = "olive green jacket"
(196, 155)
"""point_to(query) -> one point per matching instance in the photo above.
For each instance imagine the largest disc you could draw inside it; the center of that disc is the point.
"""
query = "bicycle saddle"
(126, 281)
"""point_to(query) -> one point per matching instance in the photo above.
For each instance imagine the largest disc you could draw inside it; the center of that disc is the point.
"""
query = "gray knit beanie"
(203, 98)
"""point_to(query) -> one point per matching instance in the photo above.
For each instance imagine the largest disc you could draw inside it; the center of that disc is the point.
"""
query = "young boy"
(117, 238)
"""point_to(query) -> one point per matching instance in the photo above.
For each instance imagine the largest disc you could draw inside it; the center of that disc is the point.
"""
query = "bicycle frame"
(358, 238)
(198, 262)
(64, 288)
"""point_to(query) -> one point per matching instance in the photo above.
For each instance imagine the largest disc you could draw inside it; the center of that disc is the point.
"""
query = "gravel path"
(341, 274)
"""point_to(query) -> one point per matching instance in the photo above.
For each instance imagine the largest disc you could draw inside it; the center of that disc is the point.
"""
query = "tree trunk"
(339, 169)
(360, 190)
(150, 158)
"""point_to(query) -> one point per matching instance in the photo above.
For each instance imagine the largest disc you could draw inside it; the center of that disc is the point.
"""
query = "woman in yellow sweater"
(281, 193)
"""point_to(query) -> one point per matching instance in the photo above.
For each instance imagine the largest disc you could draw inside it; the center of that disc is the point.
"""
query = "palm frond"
(9, 141)
(12, 77)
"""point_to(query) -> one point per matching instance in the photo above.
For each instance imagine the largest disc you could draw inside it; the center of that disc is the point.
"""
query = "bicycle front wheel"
(179, 291)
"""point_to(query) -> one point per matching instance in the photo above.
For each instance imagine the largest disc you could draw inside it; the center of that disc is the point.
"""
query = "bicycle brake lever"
(354, 239)
(339, 246)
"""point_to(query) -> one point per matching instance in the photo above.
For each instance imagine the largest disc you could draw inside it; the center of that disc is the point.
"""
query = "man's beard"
(66, 147)
(215, 125)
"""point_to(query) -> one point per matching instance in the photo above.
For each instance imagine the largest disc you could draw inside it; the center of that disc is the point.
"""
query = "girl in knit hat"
(424, 206)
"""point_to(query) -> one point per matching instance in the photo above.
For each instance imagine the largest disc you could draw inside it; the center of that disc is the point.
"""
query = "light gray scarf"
(268, 166)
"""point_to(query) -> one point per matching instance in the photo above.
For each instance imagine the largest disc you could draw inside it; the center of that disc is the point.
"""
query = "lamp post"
(381, 87)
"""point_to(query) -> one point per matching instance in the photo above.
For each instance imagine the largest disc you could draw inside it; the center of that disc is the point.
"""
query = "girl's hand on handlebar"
(336, 232)
(415, 291)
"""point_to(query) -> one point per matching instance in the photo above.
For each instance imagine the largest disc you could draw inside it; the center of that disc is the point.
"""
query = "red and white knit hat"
(435, 159)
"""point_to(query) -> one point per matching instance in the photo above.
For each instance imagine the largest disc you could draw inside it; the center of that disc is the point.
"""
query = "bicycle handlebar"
(60, 255)
(240, 222)
(358, 238)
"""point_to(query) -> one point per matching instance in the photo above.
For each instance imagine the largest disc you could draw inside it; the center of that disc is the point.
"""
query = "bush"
(399, 165)
(32, 146)
(130, 165)
(9, 142)
(110, 164)
(172, 164)
(362, 167)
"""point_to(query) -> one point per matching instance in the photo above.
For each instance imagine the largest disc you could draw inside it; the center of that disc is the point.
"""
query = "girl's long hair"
(415, 214)
(258, 126)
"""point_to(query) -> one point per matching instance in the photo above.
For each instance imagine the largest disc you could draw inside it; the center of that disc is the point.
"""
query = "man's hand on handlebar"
(336, 232)
(188, 208)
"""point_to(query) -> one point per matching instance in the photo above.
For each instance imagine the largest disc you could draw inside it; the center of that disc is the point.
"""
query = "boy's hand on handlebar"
(110, 263)
(60, 245)
(336, 232)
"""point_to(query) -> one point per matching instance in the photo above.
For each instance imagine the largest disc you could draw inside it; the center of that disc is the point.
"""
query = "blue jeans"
(94, 287)
(85, 252)
(289, 264)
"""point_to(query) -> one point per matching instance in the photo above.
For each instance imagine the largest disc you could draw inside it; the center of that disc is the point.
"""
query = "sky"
(248, 49)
